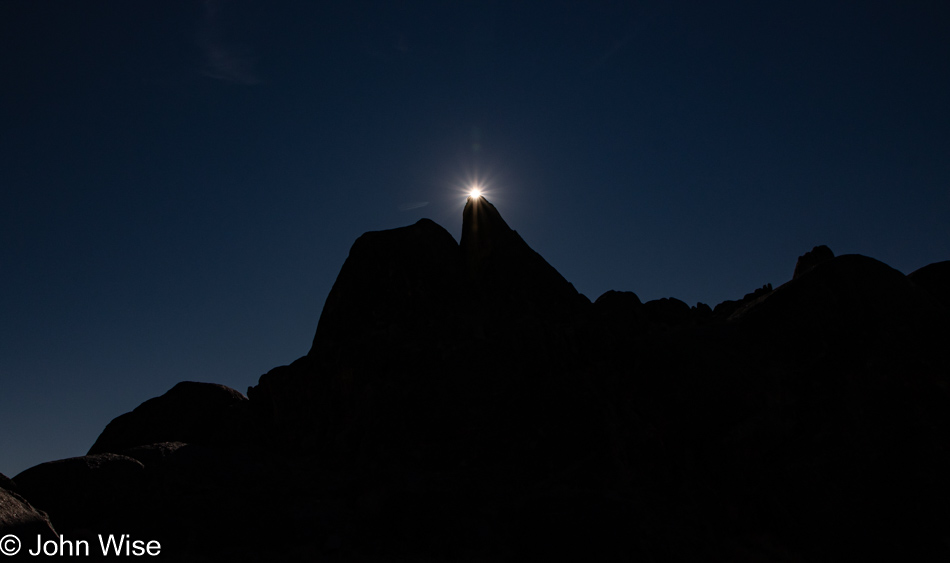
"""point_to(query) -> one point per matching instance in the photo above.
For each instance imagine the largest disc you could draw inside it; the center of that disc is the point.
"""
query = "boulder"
(620, 305)
(94, 492)
(667, 312)
(401, 284)
(18, 517)
(399, 294)
(191, 412)
(8, 483)
(935, 279)
(153, 455)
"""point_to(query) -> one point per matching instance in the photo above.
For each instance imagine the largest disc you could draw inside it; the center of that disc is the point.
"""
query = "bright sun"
(475, 193)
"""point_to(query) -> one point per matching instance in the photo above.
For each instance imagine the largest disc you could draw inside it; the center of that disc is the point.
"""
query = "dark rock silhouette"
(504, 269)
(152, 455)
(701, 312)
(463, 401)
(728, 308)
(406, 276)
(197, 413)
(620, 311)
(812, 258)
(935, 279)
(95, 492)
(620, 303)
(667, 311)
(7, 483)
(17, 515)
(442, 320)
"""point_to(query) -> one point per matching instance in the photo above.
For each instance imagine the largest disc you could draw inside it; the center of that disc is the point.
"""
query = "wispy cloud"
(413, 205)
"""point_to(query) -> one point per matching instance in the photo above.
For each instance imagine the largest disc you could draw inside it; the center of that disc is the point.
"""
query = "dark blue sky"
(180, 182)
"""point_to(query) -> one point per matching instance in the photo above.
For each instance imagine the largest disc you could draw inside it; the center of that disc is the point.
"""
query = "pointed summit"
(483, 232)
(502, 265)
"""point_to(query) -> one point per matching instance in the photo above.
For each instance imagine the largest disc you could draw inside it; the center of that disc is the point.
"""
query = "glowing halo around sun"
(473, 188)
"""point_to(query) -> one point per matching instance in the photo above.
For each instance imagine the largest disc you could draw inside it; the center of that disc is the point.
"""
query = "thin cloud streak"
(414, 205)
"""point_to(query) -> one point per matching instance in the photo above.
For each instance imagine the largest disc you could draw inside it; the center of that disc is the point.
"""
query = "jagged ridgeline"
(462, 401)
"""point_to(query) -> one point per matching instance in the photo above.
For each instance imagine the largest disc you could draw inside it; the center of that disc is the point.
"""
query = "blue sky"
(181, 182)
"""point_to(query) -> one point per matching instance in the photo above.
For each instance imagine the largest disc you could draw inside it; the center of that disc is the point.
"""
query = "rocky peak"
(812, 258)
(504, 268)
(484, 232)
(935, 279)
(406, 277)
(463, 402)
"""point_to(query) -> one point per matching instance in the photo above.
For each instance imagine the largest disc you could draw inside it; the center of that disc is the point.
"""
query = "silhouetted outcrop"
(198, 413)
(445, 322)
(407, 277)
(153, 454)
(7, 483)
(95, 492)
(935, 279)
(667, 312)
(849, 292)
(18, 517)
(812, 258)
(728, 308)
(621, 304)
(503, 268)
(620, 310)
(397, 295)
(463, 401)
(701, 312)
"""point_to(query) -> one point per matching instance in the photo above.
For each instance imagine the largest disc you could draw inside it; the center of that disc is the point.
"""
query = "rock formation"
(810, 259)
(197, 413)
(463, 401)
(18, 517)
(935, 279)
(97, 492)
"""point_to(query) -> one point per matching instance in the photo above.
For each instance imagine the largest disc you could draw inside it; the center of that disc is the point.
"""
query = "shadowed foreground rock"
(97, 492)
(935, 279)
(463, 402)
(17, 515)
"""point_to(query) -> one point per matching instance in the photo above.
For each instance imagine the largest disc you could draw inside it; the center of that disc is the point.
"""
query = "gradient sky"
(180, 182)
